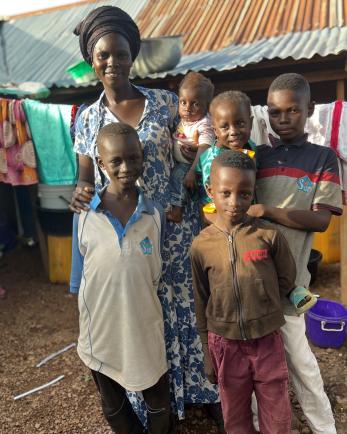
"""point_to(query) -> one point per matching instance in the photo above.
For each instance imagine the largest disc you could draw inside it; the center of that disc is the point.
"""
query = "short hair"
(234, 96)
(234, 160)
(291, 81)
(197, 81)
(115, 129)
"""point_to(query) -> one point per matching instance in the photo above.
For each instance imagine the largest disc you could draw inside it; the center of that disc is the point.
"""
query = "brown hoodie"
(240, 278)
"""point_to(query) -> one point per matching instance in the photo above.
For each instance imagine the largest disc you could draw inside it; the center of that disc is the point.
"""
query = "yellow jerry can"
(328, 242)
(59, 258)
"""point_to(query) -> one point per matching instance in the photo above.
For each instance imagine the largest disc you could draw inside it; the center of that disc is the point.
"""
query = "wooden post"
(340, 95)
(340, 90)
(343, 262)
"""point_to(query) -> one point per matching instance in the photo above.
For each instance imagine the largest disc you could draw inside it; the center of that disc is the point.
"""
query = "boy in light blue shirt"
(116, 268)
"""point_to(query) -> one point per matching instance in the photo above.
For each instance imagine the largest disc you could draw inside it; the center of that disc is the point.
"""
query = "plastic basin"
(82, 72)
(326, 324)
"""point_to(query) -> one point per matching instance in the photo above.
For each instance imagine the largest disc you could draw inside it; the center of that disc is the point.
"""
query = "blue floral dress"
(184, 351)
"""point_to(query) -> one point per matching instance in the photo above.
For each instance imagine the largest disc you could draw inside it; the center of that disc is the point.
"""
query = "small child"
(242, 266)
(116, 267)
(232, 123)
(194, 132)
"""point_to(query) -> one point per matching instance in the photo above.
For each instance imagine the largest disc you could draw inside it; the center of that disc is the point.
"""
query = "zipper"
(232, 252)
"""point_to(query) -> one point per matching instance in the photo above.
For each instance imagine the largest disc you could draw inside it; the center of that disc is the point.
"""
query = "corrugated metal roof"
(210, 25)
(40, 48)
(292, 45)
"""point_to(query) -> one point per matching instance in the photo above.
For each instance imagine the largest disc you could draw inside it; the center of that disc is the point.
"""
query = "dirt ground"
(38, 318)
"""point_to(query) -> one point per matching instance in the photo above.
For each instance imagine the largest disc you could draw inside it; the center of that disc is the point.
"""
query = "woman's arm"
(85, 185)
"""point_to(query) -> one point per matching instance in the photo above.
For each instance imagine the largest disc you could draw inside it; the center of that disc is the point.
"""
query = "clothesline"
(36, 144)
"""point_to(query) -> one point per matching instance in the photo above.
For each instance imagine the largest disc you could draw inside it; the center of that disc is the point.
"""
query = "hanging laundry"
(50, 129)
(17, 155)
(261, 126)
(328, 127)
(343, 173)
(318, 126)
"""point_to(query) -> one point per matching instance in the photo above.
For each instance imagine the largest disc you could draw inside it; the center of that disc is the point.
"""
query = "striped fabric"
(303, 176)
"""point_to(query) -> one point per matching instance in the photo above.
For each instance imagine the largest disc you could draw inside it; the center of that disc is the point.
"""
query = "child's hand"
(189, 180)
(208, 366)
(257, 210)
(189, 151)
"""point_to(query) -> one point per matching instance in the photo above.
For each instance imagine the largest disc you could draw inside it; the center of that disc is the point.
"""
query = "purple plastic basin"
(326, 324)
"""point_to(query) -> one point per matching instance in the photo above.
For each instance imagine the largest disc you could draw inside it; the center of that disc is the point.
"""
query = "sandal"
(302, 299)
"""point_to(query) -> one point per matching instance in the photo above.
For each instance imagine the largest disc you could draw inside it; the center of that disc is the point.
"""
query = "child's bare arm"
(189, 180)
(306, 220)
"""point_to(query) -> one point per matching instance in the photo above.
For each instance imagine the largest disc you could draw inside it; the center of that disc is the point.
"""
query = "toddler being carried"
(193, 133)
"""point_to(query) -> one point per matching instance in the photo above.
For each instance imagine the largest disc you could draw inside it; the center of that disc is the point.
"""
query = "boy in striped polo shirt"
(116, 267)
(298, 188)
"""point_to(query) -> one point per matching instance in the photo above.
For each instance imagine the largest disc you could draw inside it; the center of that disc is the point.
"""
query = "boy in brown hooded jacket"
(242, 266)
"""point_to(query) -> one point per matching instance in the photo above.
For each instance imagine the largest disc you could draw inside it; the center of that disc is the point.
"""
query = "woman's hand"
(81, 198)
(84, 190)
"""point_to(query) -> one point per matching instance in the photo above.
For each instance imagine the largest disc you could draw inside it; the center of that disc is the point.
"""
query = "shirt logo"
(305, 184)
(255, 255)
(146, 246)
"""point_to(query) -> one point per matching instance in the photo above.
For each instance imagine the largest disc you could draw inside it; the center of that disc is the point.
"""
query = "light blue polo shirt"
(144, 205)
(116, 271)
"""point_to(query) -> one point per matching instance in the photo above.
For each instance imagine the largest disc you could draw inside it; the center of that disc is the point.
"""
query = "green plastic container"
(82, 72)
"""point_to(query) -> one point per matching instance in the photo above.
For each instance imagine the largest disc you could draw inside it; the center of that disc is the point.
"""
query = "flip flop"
(302, 299)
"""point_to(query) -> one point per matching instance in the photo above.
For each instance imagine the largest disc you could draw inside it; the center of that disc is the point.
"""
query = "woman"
(110, 41)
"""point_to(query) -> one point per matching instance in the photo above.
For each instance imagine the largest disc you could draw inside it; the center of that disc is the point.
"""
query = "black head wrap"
(104, 20)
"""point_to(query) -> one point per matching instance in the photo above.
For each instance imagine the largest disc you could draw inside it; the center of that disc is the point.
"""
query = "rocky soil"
(38, 318)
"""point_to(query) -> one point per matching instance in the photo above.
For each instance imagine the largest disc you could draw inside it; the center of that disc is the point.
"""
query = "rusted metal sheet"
(209, 25)
(297, 45)
(217, 34)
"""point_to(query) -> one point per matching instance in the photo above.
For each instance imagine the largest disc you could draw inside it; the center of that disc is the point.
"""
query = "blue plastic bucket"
(326, 324)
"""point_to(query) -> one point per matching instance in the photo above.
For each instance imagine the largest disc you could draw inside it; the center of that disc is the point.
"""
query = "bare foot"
(175, 214)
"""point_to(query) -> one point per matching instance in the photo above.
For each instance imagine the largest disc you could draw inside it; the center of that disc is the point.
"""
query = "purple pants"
(257, 365)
